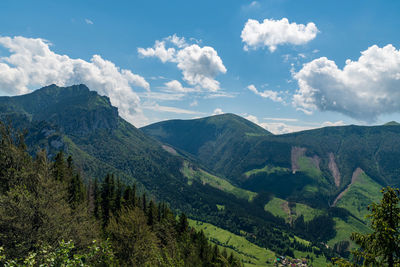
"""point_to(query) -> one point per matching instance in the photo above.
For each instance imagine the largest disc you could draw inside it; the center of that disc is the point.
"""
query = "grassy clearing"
(362, 193)
(251, 254)
(300, 240)
(316, 261)
(267, 169)
(281, 208)
(214, 181)
(220, 207)
(307, 212)
(345, 228)
(278, 207)
(307, 166)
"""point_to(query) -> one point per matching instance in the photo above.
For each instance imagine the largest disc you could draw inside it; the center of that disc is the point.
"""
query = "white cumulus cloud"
(176, 86)
(283, 126)
(32, 64)
(272, 33)
(199, 65)
(363, 89)
(217, 111)
(159, 108)
(88, 21)
(158, 50)
(273, 95)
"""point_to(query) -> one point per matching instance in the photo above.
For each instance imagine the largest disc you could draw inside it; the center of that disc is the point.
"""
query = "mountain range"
(222, 169)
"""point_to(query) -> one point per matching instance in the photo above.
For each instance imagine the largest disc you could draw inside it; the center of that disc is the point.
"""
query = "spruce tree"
(106, 199)
(183, 224)
(59, 167)
(96, 198)
(382, 246)
(117, 197)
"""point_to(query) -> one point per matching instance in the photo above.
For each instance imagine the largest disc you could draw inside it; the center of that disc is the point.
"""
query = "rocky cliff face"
(79, 120)
(75, 109)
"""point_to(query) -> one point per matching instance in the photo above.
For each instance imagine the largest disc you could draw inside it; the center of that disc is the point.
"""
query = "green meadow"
(193, 173)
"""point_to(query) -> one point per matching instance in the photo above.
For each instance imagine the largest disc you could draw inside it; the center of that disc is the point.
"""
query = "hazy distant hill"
(216, 141)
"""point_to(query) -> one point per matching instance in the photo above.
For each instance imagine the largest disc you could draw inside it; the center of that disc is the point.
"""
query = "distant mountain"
(307, 173)
(313, 166)
(392, 123)
(212, 140)
(88, 127)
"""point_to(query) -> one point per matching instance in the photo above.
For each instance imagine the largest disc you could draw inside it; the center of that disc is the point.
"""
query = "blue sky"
(281, 64)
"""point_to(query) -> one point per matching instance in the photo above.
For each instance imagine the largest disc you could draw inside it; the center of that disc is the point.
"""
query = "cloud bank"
(272, 33)
(199, 65)
(273, 95)
(281, 125)
(32, 64)
(363, 89)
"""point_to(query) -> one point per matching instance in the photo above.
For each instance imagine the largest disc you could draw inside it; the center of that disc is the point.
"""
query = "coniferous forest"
(50, 217)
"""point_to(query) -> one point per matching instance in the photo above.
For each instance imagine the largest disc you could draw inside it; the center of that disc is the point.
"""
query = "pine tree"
(59, 167)
(134, 198)
(183, 224)
(127, 197)
(70, 162)
(106, 199)
(152, 213)
(117, 197)
(144, 203)
(96, 198)
(382, 246)
(76, 191)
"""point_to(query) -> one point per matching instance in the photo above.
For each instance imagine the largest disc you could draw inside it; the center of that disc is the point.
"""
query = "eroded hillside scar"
(296, 153)
(334, 169)
(354, 178)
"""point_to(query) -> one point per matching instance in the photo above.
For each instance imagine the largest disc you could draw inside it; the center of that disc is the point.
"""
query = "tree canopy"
(381, 247)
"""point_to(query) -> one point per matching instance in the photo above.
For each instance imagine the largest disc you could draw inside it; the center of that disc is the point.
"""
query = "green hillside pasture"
(345, 228)
(361, 193)
(319, 261)
(214, 181)
(251, 254)
(281, 208)
(307, 212)
(267, 169)
(307, 166)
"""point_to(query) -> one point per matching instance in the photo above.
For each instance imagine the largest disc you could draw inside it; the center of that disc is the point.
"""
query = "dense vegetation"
(324, 169)
(232, 154)
(43, 203)
(381, 247)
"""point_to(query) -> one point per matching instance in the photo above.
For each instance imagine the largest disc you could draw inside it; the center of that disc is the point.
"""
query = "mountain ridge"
(331, 153)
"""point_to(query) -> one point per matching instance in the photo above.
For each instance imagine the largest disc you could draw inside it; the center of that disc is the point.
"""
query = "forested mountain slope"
(48, 217)
(258, 165)
(216, 141)
(326, 158)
